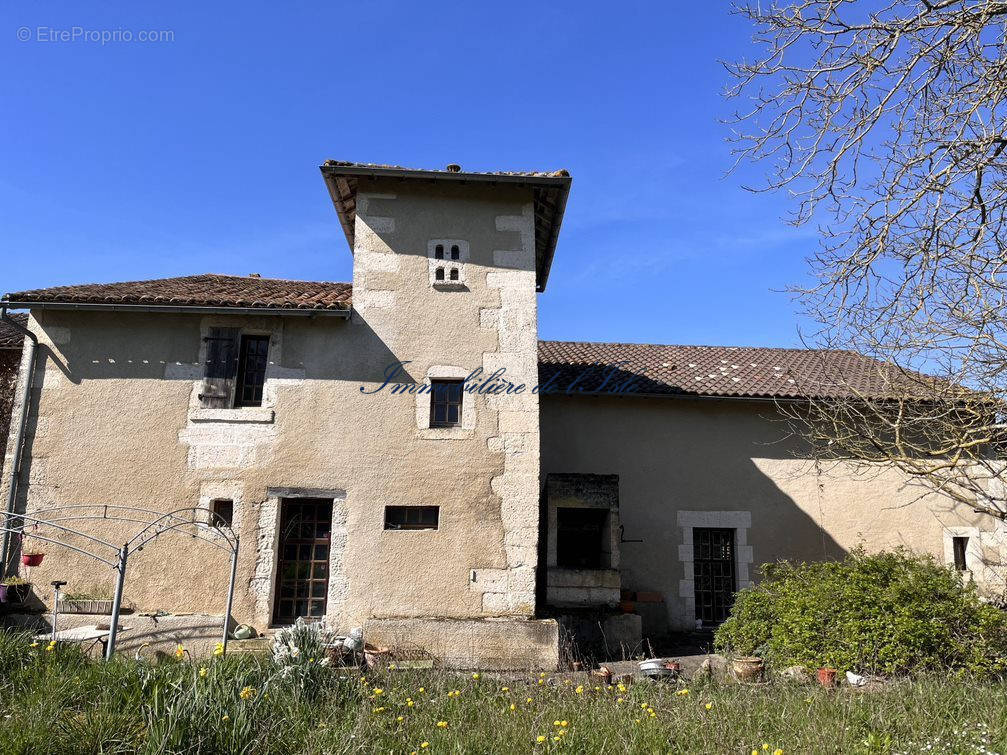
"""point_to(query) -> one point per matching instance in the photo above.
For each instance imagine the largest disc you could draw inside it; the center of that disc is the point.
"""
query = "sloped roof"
(727, 371)
(200, 291)
(11, 338)
(549, 191)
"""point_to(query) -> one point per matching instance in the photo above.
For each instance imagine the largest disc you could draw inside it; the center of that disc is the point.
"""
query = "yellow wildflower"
(709, 706)
(378, 691)
(555, 723)
(644, 706)
(424, 745)
(442, 724)
(682, 692)
(409, 702)
(541, 674)
(765, 745)
(564, 723)
(622, 687)
(541, 682)
(179, 652)
(218, 649)
(50, 647)
(247, 693)
(540, 738)
(475, 676)
(505, 689)
(777, 751)
(34, 644)
(618, 699)
(399, 718)
(423, 689)
(755, 752)
(392, 666)
(378, 710)
(580, 689)
(555, 739)
(513, 706)
(528, 700)
(226, 718)
(203, 672)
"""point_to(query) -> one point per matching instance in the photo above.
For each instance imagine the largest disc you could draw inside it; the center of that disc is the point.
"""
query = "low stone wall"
(492, 644)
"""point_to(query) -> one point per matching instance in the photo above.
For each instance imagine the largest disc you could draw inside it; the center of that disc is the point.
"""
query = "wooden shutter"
(220, 368)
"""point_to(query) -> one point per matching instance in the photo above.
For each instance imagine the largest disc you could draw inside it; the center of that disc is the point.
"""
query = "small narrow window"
(439, 274)
(579, 537)
(252, 370)
(454, 251)
(411, 517)
(439, 251)
(445, 403)
(960, 546)
(454, 273)
(221, 512)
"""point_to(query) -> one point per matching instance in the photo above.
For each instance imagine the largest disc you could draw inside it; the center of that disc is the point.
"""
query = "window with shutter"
(220, 368)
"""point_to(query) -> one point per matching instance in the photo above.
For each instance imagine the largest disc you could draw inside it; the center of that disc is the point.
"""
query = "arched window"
(454, 273)
(439, 274)
(439, 252)
(454, 251)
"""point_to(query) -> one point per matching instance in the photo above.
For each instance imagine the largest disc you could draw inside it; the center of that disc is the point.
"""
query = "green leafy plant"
(889, 612)
(14, 581)
(92, 592)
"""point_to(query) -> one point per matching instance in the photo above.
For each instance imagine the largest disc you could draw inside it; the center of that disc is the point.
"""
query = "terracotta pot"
(32, 559)
(376, 657)
(827, 677)
(748, 668)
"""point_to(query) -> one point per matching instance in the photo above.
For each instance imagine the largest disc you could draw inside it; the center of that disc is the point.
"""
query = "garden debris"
(855, 680)
(714, 667)
(798, 674)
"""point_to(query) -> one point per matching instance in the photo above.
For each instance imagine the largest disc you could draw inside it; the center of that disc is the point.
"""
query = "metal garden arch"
(218, 534)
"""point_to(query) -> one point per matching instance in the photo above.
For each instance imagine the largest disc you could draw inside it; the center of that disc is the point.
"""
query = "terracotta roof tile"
(728, 371)
(9, 337)
(202, 291)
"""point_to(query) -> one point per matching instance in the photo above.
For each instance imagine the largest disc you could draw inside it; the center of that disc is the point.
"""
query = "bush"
(890, 612)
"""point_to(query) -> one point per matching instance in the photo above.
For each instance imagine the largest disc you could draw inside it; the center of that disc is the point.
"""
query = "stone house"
(402, 453)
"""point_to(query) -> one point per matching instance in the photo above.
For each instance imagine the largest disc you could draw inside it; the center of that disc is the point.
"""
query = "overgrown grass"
(58, 701)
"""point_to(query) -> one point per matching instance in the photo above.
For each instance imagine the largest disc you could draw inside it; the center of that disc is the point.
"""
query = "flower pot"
(87, 605)
(748, 668)
(827, 677)
(32, 559)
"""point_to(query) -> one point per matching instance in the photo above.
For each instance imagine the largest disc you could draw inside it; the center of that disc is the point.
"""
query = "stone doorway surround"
(740, 522)
(262, 585)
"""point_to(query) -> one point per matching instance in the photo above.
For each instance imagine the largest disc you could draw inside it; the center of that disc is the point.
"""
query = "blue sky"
(135, 160)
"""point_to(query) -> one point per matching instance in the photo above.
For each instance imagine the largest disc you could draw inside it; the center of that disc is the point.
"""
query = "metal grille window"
(445, 403)
(713, 565)
(960, 546)
(252, 370)
(411, 517)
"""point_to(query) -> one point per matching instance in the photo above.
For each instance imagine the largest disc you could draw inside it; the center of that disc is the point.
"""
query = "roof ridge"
(804, 349)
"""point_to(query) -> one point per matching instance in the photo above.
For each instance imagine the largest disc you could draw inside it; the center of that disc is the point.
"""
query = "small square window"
(445, 403)
(411, 517)
(960, 546)
(221, 512)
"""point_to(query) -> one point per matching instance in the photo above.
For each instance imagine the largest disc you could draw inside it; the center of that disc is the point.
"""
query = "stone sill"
(248, 414)
(450, 286)
(583, 578)
(444, 433)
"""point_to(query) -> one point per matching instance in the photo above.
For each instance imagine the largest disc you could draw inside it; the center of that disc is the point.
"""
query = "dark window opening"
(960, 546)
(713, 567)
(221, 512)
(445, 403)
(252, 370)
(580, 537)
(454, 273)
(439, 251)
(412, 517)
(454, 251)
(439, 274)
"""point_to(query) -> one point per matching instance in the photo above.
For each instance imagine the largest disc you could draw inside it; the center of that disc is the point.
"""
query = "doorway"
(715, 576)
(302, 571)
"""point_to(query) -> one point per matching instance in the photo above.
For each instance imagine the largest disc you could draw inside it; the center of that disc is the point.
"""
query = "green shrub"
(890, 612)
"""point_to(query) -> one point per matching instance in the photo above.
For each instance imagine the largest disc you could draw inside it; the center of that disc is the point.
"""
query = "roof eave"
(341, 193)
(178, 308)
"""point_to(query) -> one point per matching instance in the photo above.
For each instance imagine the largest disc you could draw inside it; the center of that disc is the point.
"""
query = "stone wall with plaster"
(118, 395)
(684, 463)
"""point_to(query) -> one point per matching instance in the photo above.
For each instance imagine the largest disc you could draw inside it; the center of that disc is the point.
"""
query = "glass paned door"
(302, 572)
